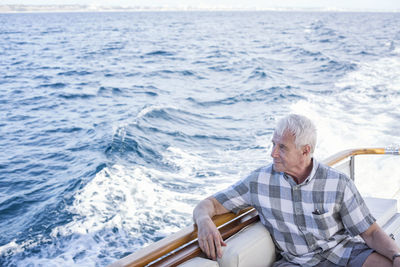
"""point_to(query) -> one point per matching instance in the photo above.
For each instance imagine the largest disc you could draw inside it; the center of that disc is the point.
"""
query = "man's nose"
(274, 152)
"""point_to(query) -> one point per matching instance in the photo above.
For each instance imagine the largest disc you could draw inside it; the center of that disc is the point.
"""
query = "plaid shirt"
(310, 222)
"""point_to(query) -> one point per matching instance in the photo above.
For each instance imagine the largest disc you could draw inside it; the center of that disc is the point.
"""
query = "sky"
(388, 5)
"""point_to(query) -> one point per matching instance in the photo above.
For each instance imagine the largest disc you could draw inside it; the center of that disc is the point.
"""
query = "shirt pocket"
(323, 224)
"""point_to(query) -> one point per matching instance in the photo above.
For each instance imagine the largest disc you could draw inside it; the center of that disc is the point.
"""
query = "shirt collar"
(313, 171)
(309, 177)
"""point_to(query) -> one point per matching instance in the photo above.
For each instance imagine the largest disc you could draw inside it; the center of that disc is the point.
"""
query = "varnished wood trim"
(332, 160)
(161, 248)
(193, 250)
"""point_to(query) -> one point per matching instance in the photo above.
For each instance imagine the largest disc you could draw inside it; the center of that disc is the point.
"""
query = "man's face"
(286, 157)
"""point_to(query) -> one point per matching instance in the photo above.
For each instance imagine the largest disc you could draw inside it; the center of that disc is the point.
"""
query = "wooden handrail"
(170, 243)
(193, 250)
(226, 223)
(336, 158)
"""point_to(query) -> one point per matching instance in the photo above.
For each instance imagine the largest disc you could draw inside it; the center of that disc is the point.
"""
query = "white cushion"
(199, 262)
(251, 247)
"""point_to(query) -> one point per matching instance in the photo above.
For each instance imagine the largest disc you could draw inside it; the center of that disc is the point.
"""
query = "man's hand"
(210, 239)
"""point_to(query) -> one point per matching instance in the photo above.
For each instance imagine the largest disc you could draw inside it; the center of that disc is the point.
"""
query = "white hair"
(303, 129)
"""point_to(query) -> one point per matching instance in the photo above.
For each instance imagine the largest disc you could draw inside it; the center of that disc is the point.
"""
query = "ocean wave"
(64, 130)
(148, 90)
(157, 127)
(222, 68)
(272, 94)
(48, 68)
(47, 106)
(115, 45)
(114, 91)
(131, 144)
(74, 72)
(57, 85)
(334, 65)
(75, 96)
(44, 77)
(171, 73)
(159, 53)
(258, 74)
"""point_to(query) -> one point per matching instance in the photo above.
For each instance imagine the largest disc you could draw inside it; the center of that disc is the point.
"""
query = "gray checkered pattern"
(310, 222)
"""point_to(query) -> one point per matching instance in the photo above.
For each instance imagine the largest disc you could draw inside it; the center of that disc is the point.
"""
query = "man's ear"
(306, 150)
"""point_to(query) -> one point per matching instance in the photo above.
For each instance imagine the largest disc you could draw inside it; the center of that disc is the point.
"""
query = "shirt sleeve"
(237, 196)
(355, 214)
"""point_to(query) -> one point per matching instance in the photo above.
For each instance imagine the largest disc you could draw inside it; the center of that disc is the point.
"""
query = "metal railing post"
(352, 168)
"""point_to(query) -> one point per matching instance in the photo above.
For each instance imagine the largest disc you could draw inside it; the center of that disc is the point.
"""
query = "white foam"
(121, 196)
(10, 248)
(142, 203)
(116, 197)
(13, 247)
(382, 73)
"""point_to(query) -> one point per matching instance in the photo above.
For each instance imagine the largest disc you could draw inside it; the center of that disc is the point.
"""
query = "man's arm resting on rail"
(210, 239)
(378, 240)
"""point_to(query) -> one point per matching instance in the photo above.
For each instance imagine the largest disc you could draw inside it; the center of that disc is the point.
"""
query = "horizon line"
(20, 8)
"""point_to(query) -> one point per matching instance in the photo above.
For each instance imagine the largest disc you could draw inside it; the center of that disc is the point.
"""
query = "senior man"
(313, 212)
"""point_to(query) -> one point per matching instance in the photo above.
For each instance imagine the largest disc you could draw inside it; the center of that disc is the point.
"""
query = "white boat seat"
(252, 246)
(199, 262)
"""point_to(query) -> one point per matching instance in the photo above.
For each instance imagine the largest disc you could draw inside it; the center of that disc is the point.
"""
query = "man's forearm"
(381, 243)
(208, 208)
(209, 238)
(204, 210)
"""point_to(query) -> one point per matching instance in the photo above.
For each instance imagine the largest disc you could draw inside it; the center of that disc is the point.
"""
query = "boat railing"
(344, 160)
(182, 246)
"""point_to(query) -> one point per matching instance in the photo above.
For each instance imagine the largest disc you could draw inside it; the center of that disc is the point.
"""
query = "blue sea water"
(114, 125)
